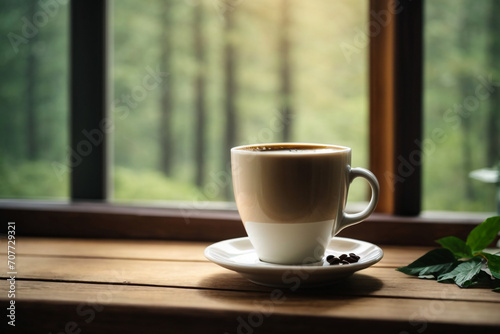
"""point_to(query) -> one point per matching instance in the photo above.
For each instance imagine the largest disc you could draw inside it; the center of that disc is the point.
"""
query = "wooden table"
(117, 286)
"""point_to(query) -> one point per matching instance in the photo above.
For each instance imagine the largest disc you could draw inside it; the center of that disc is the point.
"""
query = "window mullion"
(408, 149)
(89, 123)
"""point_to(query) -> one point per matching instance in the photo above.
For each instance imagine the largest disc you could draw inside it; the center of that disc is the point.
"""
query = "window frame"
(105, 220)
(396, 91)
(395, 77)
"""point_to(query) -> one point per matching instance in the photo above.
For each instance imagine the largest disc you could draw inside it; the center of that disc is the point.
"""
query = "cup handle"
(351, 219)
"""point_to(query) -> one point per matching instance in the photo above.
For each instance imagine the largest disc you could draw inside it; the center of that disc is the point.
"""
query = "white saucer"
(239, 255)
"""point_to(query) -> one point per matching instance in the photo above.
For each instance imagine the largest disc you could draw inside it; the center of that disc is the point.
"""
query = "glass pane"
(34, 99)
(193, 78)
(461, 103)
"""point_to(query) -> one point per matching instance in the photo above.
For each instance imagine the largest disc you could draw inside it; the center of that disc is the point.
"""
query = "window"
(394, 90)
(34, 68)
(176, 116)
(461, 104)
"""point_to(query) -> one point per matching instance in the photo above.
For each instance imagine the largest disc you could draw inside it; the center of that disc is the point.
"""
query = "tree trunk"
(466, 88)
(166, 103)
(285, 70)
(493, 131)
(200, 93)
(230, 93)
(31, 72)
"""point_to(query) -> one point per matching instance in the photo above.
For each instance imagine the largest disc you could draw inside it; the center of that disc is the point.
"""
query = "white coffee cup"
(291, 197)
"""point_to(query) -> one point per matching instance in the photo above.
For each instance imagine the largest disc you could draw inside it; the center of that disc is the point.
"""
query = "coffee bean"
(354, 256)
(342, 259)
(332, 259)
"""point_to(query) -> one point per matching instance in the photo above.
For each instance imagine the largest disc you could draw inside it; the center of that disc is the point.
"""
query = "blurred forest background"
(193, 78)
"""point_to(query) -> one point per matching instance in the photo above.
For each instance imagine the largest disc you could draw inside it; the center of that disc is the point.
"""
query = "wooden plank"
(121, 249)
(132, 309)
(395, 256)
(398, 256)
(382, 282)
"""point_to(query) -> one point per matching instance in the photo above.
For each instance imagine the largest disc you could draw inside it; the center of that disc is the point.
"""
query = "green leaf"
(493, 264)
(497, 289)
(465, 274)
(483, 234)
(435, 262)
(457, 246)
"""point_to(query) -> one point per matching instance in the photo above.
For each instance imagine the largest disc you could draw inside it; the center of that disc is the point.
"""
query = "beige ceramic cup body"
(291, 197)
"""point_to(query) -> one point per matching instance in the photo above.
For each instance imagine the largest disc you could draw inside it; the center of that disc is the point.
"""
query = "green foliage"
(464, 275)
(493, 264)
(16, 181)
(471, 267)
(32, 180)
(458, 40)
(435, 263)
(457, 246)
(484, 234)
(133, 184)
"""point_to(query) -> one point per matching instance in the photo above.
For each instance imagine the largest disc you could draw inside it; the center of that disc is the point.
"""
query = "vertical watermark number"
(11, 272)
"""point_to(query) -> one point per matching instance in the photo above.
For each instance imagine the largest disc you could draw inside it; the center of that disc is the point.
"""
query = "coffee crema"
(293, 148)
